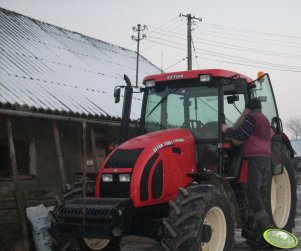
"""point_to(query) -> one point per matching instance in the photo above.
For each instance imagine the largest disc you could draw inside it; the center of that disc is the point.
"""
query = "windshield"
(191, 105)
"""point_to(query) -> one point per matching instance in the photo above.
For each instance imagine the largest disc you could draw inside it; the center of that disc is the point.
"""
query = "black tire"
(279, 193)
(77, 191)
(99, 244)
(201, 218)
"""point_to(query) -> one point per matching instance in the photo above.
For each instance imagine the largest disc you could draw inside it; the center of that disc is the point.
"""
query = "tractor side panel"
(163, 167)
(158, 163)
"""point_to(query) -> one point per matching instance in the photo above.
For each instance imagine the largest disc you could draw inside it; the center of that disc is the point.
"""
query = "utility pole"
(189, 54)
(137, 39)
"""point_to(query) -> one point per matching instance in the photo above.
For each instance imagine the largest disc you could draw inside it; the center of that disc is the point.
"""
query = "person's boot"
(264, 224)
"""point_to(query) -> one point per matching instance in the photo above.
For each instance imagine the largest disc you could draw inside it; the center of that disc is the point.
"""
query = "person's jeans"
(258, 168)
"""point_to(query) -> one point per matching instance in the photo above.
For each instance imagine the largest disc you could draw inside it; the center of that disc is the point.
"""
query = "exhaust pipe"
(126, 110)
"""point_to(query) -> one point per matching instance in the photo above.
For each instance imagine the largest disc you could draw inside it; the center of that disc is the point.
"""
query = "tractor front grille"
(95, 209)
(93, 217)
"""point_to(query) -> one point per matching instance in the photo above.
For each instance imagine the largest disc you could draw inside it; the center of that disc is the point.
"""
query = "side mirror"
(276, 124)
(117, 94)
(263, 98)
(232, 99)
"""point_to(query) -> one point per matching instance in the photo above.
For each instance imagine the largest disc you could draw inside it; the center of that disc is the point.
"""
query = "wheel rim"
(216, 220)
(281, 198)
(96, 244)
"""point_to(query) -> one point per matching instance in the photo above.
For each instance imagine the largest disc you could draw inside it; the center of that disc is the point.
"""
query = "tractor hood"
(155, 141)
(157, 163)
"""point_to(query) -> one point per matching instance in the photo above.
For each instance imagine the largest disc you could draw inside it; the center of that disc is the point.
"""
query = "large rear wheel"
(200, 219)
(284, 197)
(280, 196)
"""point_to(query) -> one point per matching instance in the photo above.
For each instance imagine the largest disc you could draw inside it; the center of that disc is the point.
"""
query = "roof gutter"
(56, 117)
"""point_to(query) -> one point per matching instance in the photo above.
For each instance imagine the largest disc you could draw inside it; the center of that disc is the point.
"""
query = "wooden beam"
(19, 198)
(94, 150)
(84, 169)
(59, 154)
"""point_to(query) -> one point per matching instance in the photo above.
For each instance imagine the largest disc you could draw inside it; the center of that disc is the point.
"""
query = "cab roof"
(194, 74)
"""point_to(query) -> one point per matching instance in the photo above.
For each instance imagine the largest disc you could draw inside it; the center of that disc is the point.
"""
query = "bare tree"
(294, 126)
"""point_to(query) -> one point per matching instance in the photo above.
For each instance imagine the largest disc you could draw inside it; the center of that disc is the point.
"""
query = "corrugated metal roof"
(44, 68)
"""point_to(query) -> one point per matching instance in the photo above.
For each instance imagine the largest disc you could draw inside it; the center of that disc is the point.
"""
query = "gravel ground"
(133, 243)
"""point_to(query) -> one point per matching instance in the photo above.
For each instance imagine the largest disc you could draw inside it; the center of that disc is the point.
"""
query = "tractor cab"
(201, 101)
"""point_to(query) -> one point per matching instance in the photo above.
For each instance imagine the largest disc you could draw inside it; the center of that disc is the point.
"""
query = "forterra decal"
(166, 144)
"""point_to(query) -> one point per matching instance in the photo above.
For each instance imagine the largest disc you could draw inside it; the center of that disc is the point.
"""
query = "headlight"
(125, 177)
(107, 178)
(150, 83)
(205, 78)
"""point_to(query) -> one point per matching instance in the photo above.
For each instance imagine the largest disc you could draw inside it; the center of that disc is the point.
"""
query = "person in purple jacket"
(255, 133)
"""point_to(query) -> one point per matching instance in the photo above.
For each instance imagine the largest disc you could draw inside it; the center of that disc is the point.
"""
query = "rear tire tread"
(170, 229)
(175, 207)
(183, 231)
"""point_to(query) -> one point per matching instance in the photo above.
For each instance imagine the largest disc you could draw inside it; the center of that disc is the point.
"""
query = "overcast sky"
(245, 36)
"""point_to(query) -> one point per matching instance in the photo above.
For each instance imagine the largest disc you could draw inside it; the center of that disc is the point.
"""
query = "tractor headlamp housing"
(125, 177)
(205, 78)
(107, 178)
(150, 83)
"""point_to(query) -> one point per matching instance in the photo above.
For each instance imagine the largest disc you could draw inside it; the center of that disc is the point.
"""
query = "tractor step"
(92, 217)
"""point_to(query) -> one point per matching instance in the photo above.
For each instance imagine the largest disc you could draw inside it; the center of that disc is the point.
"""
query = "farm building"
(56, 104)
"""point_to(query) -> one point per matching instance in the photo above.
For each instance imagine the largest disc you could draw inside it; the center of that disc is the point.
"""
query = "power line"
(240, 30)
(174, 64)
(167, 40)
(230, 37)
(248, 60)
(242, 48)
(221, 55)
(254, 66)
(170, 23)
(196, 57)
(252, 37)
(172, 39)
(230, 46)
(165, 34)
(168, 45)
(218, 45)
(250, 41)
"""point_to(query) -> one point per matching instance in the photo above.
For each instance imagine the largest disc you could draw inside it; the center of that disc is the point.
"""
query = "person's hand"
(224, 127)
(246, 111)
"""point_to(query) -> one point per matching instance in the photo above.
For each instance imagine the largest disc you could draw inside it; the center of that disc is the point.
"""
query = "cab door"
(263, 90)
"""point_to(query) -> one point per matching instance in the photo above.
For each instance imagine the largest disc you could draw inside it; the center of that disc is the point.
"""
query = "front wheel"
(200, 219)
(93, 244)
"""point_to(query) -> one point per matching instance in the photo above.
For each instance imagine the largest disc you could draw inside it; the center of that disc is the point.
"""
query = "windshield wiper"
(163, 99)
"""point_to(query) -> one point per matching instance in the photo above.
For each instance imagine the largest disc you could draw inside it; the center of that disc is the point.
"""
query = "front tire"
(99, 244)
(200, 219)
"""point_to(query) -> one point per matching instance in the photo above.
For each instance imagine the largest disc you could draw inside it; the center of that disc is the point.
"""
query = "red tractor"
(180, 180)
